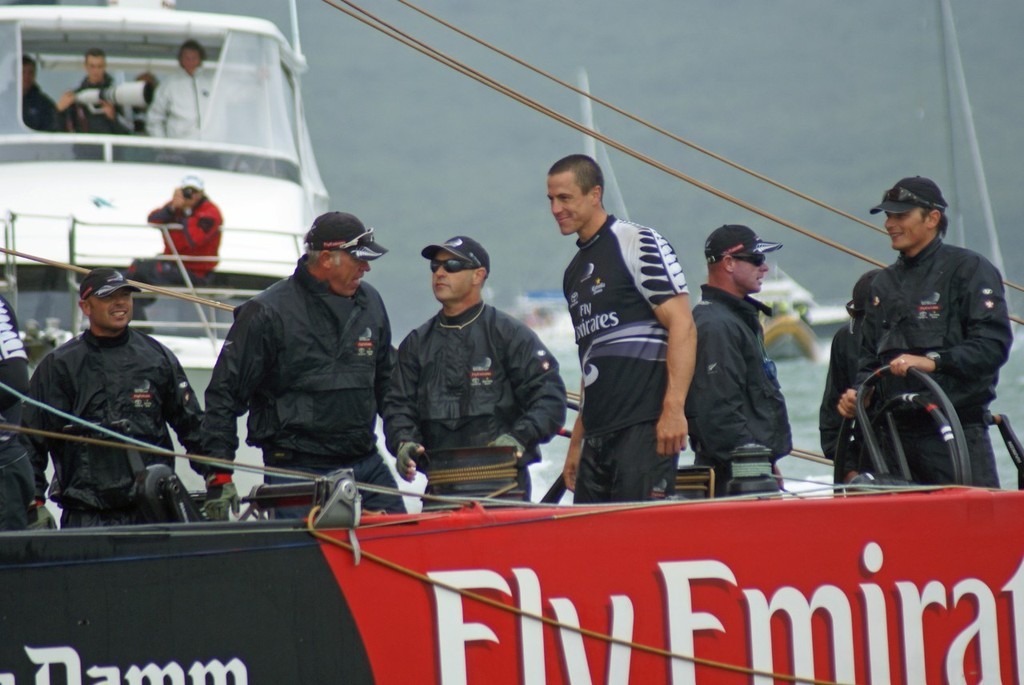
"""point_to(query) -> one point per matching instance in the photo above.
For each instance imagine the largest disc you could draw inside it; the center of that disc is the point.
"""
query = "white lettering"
(984, 628)
(577, 667)
(597, 323)
(151, 674)
(572, 642)
(531, 631)
(622, 629)
(111, 675)
(1015, 587)
(794, 604)
(877, 618)
(452, 632)
(913, 605)
(46, 657)
(218, 672)
(155, 675)
(683, 622)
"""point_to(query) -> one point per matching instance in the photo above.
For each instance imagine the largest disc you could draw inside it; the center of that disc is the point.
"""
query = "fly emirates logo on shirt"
(590, 323)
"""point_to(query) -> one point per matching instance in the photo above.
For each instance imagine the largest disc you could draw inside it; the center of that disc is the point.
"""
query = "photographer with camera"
(84, 110)
(194, 223)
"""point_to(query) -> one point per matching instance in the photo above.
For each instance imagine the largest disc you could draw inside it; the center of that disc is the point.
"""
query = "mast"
(612, 197)
(952, 55)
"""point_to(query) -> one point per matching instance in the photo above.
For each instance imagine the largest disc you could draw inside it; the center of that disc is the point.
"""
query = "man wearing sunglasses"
(471, 375)
(939, 309)
(310, 358)
(630, 308)
(735, 402)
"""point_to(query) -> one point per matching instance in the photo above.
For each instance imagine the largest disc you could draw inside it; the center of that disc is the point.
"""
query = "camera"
(189, 193)
(133, 94)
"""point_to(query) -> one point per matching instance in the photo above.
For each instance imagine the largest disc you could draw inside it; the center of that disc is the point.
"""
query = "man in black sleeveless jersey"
(736, 400)
(630, 307)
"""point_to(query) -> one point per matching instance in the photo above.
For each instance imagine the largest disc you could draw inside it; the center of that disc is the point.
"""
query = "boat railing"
(91, 244)
(107, 148)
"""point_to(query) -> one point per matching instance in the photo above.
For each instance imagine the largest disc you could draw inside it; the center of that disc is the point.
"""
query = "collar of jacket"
(310, 283)
(461, 320)
(742, 305)
(115, 341)
(929, 249)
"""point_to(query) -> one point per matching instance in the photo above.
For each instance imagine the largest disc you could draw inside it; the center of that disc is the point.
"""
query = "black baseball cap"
(102, 282)
(911, 192)
(343, 231)
(861, 292)
(734, 239)
(464, 248)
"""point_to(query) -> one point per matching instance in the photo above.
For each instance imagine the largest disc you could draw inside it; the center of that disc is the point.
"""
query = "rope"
(394, 33)
(139, 284)
(585, 632)
(471, 473)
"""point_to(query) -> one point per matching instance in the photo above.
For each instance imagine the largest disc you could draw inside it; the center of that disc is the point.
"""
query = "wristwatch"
(935, 357)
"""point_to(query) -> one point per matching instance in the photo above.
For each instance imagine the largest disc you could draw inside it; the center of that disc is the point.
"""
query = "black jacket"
(311, 368)
(735, 398)
(464, 381)
(130, 383)
(80, 118)
(37, 110)
(946, 300)
(842, 373)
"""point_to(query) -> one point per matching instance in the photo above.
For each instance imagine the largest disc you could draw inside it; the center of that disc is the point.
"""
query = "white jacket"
(179, 106)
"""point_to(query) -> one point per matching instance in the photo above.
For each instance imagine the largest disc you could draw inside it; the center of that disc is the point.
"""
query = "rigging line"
(585, 632)
(643, 122)
(385, 28)
(144, 286)
(123, 442)
(389, 30)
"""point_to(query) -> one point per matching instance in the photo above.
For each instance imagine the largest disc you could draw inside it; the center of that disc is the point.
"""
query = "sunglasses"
(898, 194)
(452, 266)
(362, 237)
(755, 259)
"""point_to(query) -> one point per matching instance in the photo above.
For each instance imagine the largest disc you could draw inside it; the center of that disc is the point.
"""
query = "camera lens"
(188, 193)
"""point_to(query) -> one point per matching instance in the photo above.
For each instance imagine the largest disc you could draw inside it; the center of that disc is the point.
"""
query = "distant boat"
(799, 322)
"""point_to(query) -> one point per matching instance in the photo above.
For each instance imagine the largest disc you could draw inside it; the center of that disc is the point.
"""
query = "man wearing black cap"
(118, 378)
(842, 369)
(735, 399)
(471, 375)
(310, 359)
(630, 308)
(939, 309)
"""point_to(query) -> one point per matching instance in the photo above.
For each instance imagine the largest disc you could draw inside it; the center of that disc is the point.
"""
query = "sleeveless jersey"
(612, 286)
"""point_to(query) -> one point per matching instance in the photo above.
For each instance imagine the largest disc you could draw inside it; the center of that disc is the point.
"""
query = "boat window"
(10, 78)
(251, 103)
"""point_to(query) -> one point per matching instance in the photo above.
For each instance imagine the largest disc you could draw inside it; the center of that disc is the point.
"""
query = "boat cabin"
(84, 198)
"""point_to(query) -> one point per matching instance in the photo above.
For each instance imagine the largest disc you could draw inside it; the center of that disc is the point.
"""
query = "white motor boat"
(83, 198)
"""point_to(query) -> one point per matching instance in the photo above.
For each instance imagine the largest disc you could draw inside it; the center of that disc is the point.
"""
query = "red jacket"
(200, 236)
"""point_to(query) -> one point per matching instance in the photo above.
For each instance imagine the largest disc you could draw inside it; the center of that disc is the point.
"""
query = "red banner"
(900, 588)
